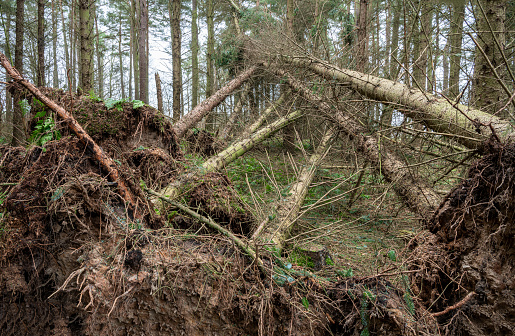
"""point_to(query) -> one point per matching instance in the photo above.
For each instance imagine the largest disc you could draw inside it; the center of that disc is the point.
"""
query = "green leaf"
(24, 106)
(40, 114)
(305, 303)
(137, 104)
(391, 254)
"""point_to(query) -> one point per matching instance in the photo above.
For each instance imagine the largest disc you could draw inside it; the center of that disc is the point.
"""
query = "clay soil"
(72, 262)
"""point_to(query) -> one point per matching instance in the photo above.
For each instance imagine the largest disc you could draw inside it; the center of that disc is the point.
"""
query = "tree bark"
(159, 93)
(18, 123)
(107, 164)
(134, 46)
(100, 61)
(231, 153)
(487, 89)
(143, 51)
(417, 194)
(210, 71)
(362, 52)
(457, 121)
(40, 73)
(287, 209)
(176, 58)
(55, 74)
(259, 121)
(455, 40)
(194, 55)
(86, 45)
(236, 112)
(7, 130)
(65, 40)
(195, 115)
(120, 55)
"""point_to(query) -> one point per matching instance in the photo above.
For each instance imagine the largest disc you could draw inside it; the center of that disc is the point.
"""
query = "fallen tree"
(417, 193)
(231, 153)
(195, 115)
(465, 125)
(286, 210)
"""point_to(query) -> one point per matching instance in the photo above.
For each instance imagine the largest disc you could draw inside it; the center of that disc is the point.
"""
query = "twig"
(456, 306)
(209, 222)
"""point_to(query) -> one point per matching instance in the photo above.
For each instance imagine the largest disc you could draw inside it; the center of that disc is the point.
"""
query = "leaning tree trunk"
(257, 124)
(287, 209)
(230, 154)
(465, 125)
(195, 115)
(416, 192)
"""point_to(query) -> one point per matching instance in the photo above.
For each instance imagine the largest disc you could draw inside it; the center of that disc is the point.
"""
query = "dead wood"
(418, 195)
(195, 115)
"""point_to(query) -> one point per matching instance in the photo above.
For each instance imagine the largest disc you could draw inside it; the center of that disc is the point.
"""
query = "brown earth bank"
(72, 262)
(468, 257)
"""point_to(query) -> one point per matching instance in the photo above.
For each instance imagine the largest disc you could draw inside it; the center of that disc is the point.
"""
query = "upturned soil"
(73, 262)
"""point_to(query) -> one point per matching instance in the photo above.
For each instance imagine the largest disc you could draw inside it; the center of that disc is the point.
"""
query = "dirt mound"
(471, 251)
(203, 142)
(115, 125)
(214, 196)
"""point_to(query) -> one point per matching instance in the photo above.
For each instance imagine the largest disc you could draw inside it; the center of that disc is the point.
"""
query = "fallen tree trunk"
(195, 115)
(257, 124)
(467, 126)
(287, 209)
(230, 154)
(416, 192)
(107, 164)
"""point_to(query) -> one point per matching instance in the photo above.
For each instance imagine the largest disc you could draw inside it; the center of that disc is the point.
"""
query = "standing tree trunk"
(176, 57)
(18, 123)
(100, 61)
(135, 32)
(40, 74)
(159, 93)
(143, 51)
(55, 76)
(362, 52)
(455, 40)
(487, 90)
(120, 56)
(6, 130)
(86, 44)
(73, 44)
(194, 55)
(210, 78)
(65, 40)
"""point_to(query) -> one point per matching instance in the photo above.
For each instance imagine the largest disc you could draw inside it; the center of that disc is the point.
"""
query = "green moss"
(300, 259)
